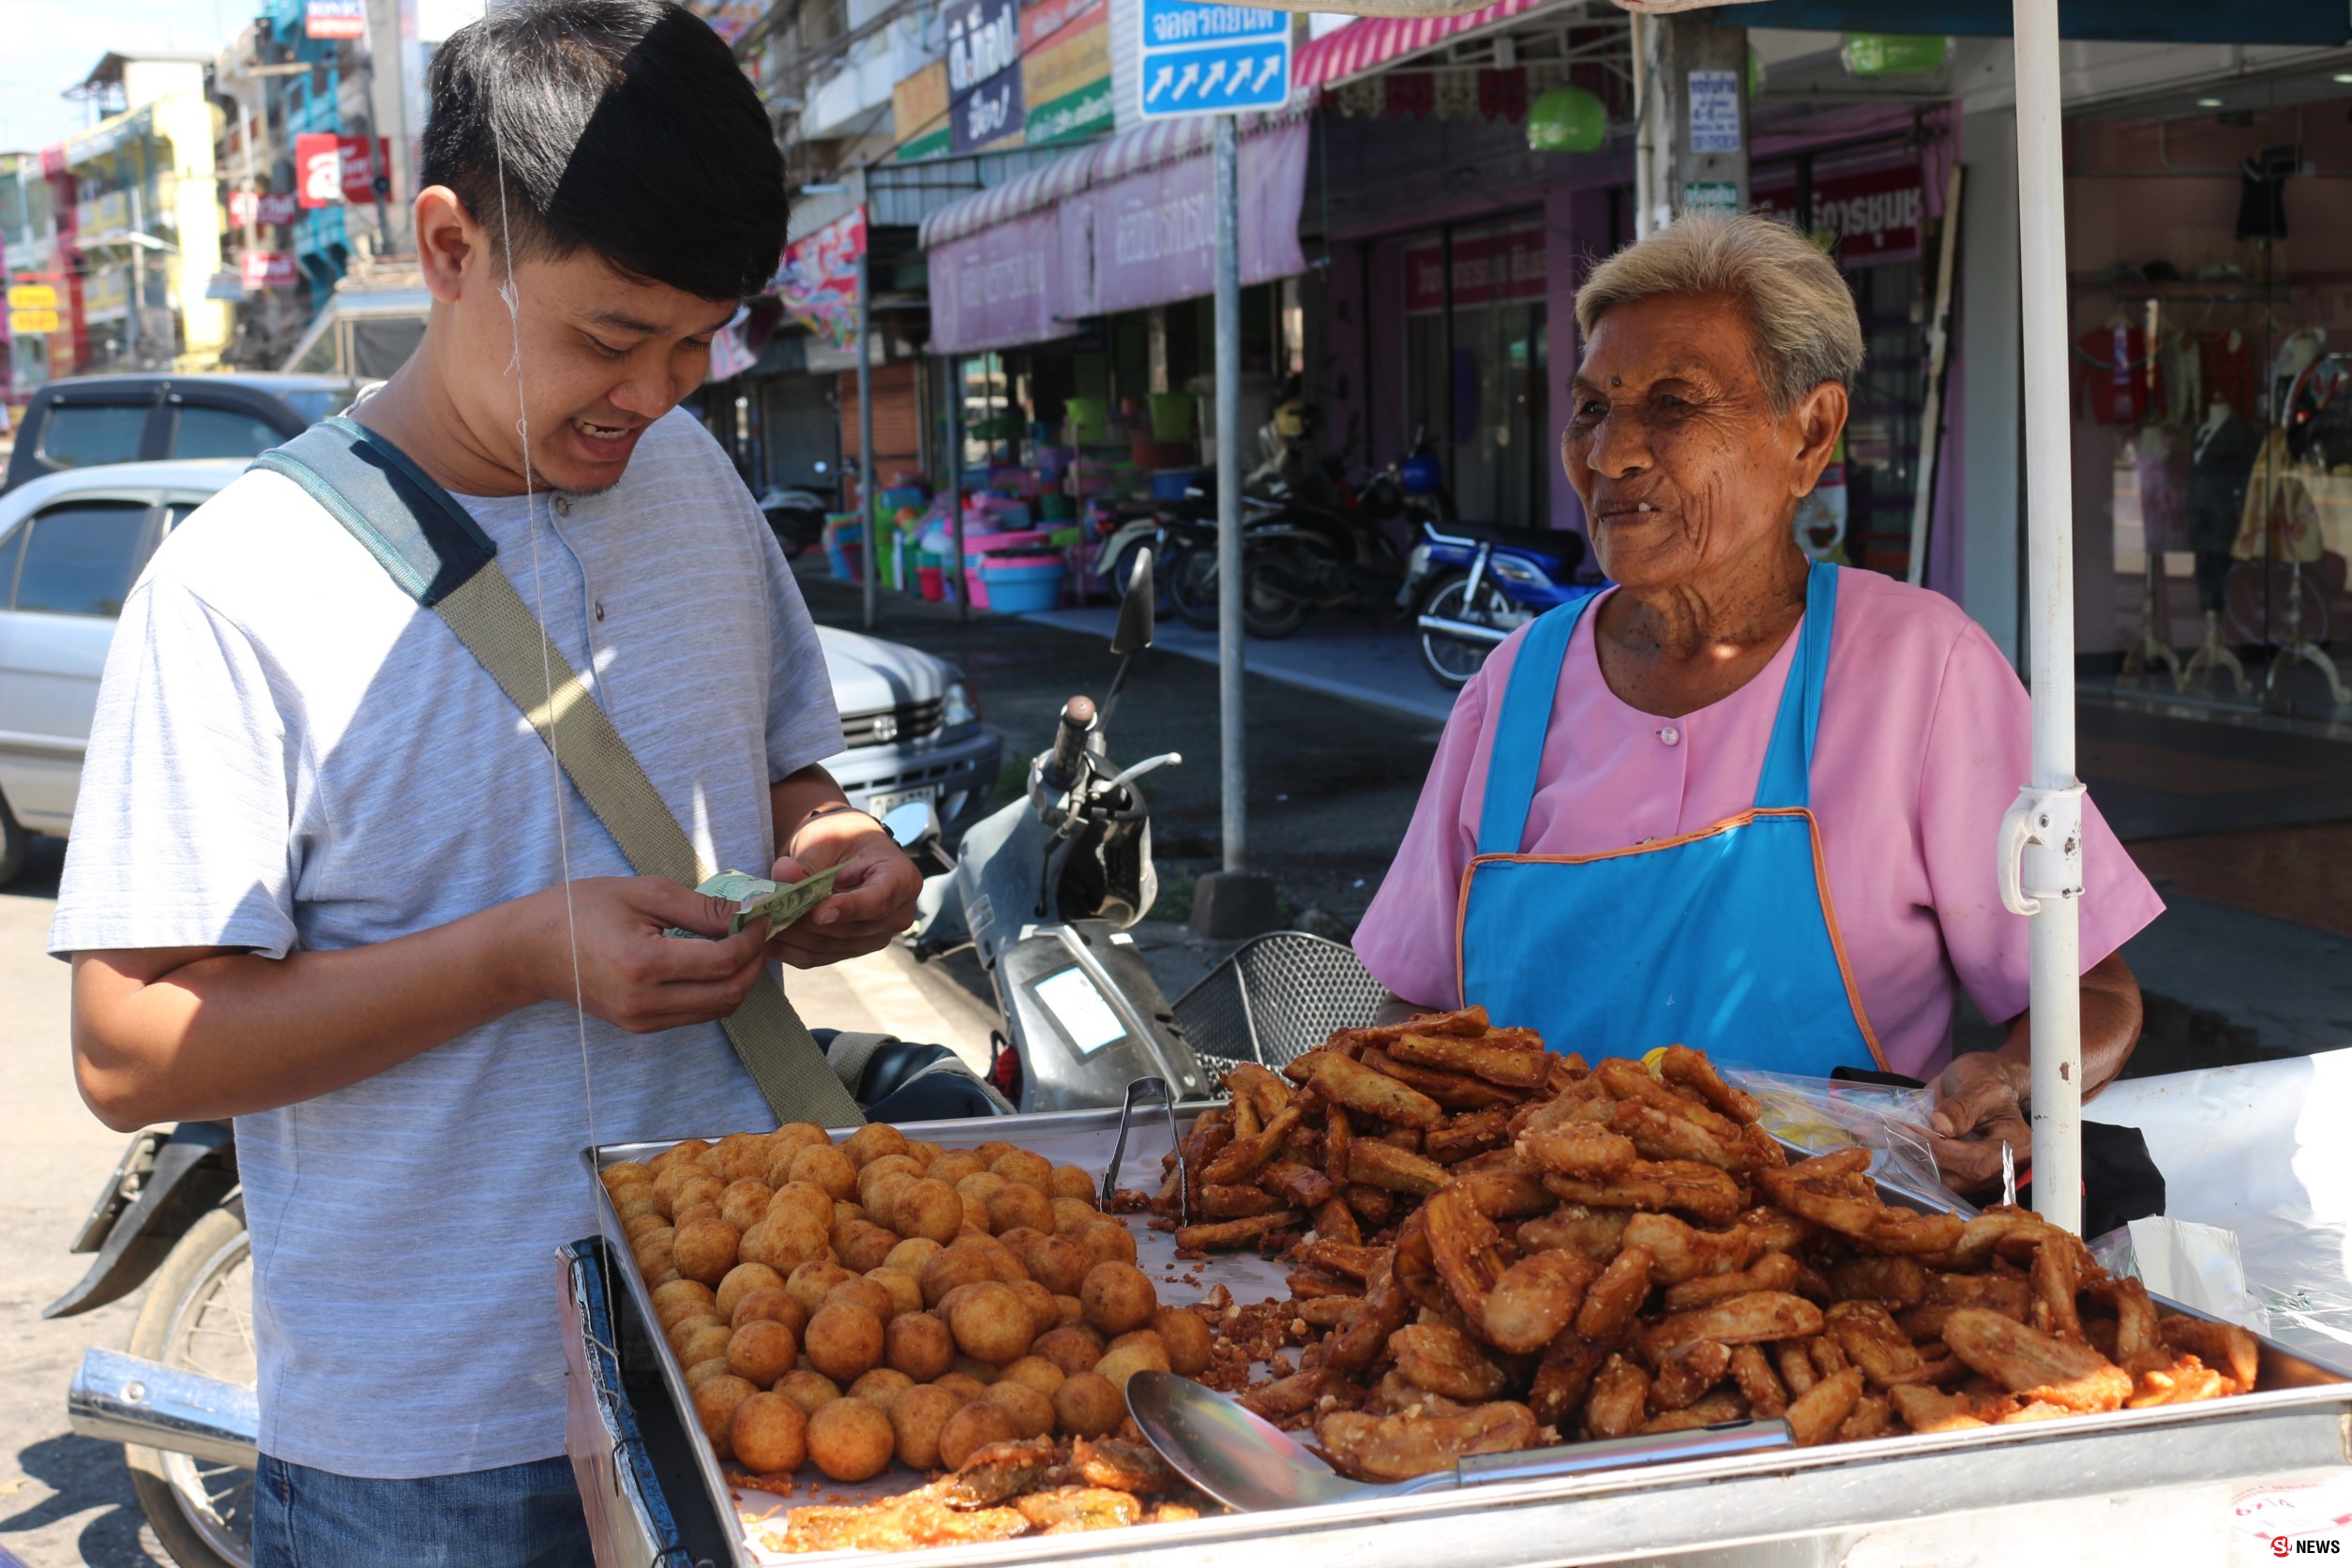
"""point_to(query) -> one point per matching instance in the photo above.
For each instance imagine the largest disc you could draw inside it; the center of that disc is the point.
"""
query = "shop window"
(1476, 366)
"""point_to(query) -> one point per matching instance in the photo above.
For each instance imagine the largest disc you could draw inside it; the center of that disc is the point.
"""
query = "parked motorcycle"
(1044, 892)
(1472, 584)
(796, 517)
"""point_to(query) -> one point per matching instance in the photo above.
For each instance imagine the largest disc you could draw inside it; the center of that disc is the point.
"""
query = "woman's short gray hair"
(1802, 313)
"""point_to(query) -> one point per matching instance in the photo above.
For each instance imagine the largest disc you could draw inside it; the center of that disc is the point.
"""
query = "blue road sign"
(1201, 59)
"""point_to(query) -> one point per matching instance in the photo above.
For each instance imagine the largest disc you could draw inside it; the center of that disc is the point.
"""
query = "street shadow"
(82, 1473)
(43, 865)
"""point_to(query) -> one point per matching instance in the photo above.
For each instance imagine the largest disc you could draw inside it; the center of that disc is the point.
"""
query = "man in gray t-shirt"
(324, 878)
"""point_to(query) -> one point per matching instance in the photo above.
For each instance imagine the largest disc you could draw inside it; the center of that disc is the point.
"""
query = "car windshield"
(313, 405)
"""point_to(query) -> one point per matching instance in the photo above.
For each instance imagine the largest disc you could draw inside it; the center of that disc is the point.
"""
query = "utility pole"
(870, 528)
(1701, 92)
(132, 345)
(390, 24)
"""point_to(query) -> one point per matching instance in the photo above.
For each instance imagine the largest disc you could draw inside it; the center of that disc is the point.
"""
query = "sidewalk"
(1339, 656)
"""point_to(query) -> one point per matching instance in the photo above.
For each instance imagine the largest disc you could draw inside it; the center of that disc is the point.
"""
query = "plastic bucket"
(932, 583)
(1022, 587)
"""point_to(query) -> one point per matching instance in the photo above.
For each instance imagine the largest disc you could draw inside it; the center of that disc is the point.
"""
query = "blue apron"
(1723, 939)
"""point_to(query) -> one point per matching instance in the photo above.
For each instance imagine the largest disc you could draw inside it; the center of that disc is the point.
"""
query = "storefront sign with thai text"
(332, 169)
(268, 269)
(1874, 212)
(335, 19)
(265, 207)
(1488, 269)
(984, 73)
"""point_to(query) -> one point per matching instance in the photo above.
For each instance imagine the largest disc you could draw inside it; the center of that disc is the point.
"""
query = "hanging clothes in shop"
(2161, 461)
(2225, 366)
(2279, 520)
(2220, 460)
(2114, 373)
(2178, 368)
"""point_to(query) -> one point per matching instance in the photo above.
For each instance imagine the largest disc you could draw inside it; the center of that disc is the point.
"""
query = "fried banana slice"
(991, 1474)
(1452, 1091)
(1595, 1232)
(1235, 1232)
(1689, 1373)
(1301, 1186)
(1263, 1089)
(2224, 1347)
(1758, 1381)
(1775, 1230)
(2043, 1367)
(1873, 1417)
(1219, 1201)
(1239, 1161)
(1660, 1134)
(1816, 1414)
(1363, 1330)
(1356, 1261)
(2185, 1382)
(1536, 1298)
(1442, 1359)
(1068, 1510)
(1502, 1065)
(1127, 1467)
(1760, 1315)
(1360, 1089)
(1619, 1400)
(1396, 1448)
(1631, 1080)
(897, 1525)
(2007, 1294)
(1692, 1070)
(2060, 1264)
(1562, 1378)
(1775, 1270)
(1461, 1137)
(1930, 1409)
(1580, 1149)
(1376, 1164)
(1611, 1301)
(1684, 1252)
(2013, 1233)
(1723, 1405)
(1870, 1341)
(1684, 1185)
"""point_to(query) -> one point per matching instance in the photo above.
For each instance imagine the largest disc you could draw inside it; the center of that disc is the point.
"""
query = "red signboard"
(329, 169)
(1047, 22)
(1488, 269)
(268, 269)
(248, 206)
(1874, 212)
(335, 19)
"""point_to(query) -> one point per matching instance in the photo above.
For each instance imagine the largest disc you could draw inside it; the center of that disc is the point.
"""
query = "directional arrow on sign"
(1209, 82)
(1159, 83)
(1183, 82)
(1266, 74)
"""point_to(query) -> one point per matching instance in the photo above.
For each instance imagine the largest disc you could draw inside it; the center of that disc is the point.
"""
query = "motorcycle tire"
(1268, 610)
(795, 531)
(1192, 586)
(1453, 660)
(201, 1512)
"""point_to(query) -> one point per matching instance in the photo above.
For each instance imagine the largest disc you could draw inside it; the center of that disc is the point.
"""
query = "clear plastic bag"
(1819, 1116)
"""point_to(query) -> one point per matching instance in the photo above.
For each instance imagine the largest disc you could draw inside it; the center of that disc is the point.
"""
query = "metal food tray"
(1816, 1504)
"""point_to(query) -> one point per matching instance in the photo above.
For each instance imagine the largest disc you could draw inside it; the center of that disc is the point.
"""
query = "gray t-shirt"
(290, 754)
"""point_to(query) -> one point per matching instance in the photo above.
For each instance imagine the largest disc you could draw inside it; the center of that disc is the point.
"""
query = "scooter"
(1472, 584)
(796, 517)
(1044, 892)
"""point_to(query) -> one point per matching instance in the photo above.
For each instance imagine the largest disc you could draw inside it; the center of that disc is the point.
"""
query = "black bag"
(895, 1081)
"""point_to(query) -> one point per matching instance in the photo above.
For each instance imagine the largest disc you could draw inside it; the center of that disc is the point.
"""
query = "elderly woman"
(1739, 800)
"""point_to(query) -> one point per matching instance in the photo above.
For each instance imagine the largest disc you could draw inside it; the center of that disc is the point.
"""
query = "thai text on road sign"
(1201, 59)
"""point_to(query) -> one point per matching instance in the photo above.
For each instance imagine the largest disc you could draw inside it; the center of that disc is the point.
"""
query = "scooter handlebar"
(1069, 741)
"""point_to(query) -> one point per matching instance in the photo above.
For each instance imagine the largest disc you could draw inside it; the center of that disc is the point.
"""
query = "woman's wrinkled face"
(1684, 470)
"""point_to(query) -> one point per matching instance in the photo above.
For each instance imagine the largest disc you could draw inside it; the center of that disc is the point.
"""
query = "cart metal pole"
(2041, 837)
(1232, 775)
(955, 398)
(871, 529)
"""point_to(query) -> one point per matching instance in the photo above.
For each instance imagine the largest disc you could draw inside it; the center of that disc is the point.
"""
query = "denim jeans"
(524, 1516)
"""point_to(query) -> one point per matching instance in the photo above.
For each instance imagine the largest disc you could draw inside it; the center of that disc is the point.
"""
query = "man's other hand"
(1979, 1107)
(872, 899)
(629, 973)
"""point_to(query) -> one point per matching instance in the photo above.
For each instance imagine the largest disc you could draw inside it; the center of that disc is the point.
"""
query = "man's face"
(600, 357)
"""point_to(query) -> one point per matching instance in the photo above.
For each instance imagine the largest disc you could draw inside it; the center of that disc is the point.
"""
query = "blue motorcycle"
(1472, 584)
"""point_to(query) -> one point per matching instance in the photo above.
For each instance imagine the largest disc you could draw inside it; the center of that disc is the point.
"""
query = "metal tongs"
(1145, 1088)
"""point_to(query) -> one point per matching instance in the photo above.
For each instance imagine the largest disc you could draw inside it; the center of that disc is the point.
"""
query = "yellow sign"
(28, 322)
(32, 296)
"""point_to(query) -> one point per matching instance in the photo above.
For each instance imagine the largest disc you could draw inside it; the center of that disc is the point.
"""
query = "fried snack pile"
(886, 1298)
(1033, 1486)
(1496, 1248)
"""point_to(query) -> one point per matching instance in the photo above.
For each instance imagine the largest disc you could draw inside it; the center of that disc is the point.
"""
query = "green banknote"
(757, 898)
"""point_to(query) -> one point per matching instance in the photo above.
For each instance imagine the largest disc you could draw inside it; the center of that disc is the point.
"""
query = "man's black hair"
(623, 126)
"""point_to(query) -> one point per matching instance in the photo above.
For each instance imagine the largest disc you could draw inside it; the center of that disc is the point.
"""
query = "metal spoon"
(1248, 1464)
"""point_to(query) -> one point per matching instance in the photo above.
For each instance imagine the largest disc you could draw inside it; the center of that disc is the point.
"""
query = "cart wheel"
(199, 1315)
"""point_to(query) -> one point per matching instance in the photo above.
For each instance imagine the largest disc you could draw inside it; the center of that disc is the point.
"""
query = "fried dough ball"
(843, 1342)
(1017, 1240)
(861, 1293)
(1118, 1297)
(1187, 1339)
(1034, 1370)
(811, 1390)
(684, 1329)
(784, 1146)
(706, 1343)
(866, 1247)
(685, 1153)
(624, 1173)
(706, 1250)
(918, 1344)
(1016, 1205)
(761, 1351)
(910, 1256)
(636, 1203)
(980, 1185)
(695, 1216)
(954, 1164)
(1027, 1170)
(973, 1427)
(976, 1216)
(881, 1166)
(741, 1281)
(667, 1180)
(1107, 1239)
(1058, 1263)
(1088, 1405)
(1143, 1353)
(851, 1440)
(826, 1167)
(714, 1402)
(993, 1150)
(784, 1242)
(652, 1252)
(813, 1281)
(1149, 1338)
(963, 1385)
(806, 1199)
(903, 1289)
(1031, 1412)
(991, 1323)
(681, 1298)
(1044, 1311)
(1072, 1309)
(773, 1303)
(873, 1140)
(961, 1264)
(917, 1419)
(703, 1371)
(695, 1187)
(1072, 1183)
(636, 1225)
(1073, 1347)
(980, 1372)
(881, 1388)
(739, 1156)
(881, 1196)
(770, 1434)
(1070, 1214)
(930, 1209)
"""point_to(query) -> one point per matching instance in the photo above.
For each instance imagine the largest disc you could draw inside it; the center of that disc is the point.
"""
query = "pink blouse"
(1923, 742)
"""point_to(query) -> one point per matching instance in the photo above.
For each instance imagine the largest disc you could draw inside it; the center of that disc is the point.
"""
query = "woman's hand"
(872, 898)
(1979, 1106)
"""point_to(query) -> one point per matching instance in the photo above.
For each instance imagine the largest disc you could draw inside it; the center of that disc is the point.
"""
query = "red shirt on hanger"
(2113, 372)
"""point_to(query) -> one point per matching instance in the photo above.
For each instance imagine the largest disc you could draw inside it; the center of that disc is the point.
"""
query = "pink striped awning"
(1370, 42)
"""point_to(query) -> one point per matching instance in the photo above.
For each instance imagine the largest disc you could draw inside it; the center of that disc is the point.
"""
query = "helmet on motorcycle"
(1421, 471)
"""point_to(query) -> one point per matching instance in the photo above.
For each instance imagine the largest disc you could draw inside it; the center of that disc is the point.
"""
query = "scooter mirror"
(1134, 632)
(911, 823)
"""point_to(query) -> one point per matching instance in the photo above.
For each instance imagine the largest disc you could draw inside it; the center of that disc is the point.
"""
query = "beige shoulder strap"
(492, 620)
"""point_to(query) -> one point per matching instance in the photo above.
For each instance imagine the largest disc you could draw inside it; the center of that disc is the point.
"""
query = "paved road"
(63, 1500)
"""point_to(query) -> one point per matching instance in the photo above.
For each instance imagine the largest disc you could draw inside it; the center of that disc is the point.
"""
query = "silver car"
(72, 544)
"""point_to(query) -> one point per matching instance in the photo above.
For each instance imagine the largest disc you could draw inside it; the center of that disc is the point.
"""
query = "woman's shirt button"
(1670, 735)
